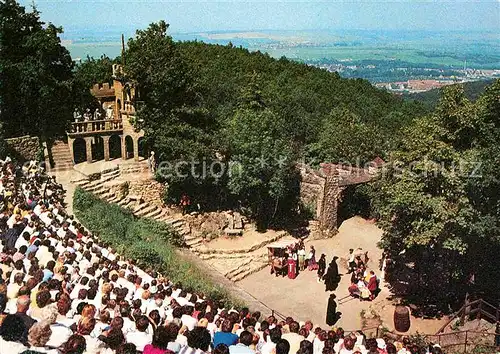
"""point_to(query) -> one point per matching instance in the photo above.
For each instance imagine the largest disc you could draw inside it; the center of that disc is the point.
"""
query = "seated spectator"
(160, 342)
(12, 333)
(139, 337)
(243, 347)
(38, 337)
(225, 336)
(198, 341)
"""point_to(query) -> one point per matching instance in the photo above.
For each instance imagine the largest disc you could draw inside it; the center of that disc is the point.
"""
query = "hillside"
(304, 95)
(430, 98)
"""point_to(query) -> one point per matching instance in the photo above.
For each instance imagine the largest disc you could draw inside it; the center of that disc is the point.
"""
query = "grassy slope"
(149, 242)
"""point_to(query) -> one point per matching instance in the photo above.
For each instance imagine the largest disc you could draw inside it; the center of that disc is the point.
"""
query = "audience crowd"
(64, 291)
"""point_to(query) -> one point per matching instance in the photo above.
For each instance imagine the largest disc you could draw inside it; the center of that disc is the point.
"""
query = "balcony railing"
(95, 126)
(128, 107)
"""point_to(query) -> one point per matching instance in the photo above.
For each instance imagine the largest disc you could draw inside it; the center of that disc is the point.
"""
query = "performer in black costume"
(331, 311)
(321, 267)
(332, 277)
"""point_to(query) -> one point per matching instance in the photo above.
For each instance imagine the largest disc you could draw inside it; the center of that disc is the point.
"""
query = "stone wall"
(320, 191)
(214, 224)
(23, 148)
(149, 191)
(312, 185)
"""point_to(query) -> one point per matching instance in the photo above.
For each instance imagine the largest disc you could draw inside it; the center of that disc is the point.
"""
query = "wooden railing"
(93, 126)
(464, 341)
(479, 308)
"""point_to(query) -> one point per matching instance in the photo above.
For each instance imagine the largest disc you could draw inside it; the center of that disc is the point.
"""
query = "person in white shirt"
(139, 337)
(187, 318)
(272, 339)
(11, 342)
(294, 338)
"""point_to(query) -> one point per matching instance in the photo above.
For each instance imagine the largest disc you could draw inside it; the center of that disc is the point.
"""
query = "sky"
(198, 16)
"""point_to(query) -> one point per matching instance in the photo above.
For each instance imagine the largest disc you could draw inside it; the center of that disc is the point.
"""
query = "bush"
(149, 242)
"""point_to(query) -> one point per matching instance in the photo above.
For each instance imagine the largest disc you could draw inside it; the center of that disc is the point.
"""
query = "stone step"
(115, 199)
(140, 207)
(191, 236)
(101, 191)
(174, 222)
(163, 214)
(79, 180)
(60, 154)
(194, 242)
(60, 168)
(252, 248)
(93, 188)
(108, 195)
(261, 253)
(111, 173)
(123, 202)
(130, 205)
(93, 183)
(248, 271)
(154, 213)
(146, 210)
(238, 269)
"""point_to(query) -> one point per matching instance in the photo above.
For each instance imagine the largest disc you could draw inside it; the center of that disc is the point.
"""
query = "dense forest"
(220, 103)
(229, 125)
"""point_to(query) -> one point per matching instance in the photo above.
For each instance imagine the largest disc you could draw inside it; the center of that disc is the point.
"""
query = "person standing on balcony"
(87, 115)
(109, 112)
(77, 116)
(97, 114)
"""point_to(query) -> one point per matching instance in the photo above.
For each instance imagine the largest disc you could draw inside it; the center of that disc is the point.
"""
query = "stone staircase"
(101, 188)
(62, 157)
(237, 264)
(234, 264)
(133, 168)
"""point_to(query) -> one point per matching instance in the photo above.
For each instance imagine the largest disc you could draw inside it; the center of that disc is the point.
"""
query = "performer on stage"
(332, 277)
(321, 267)
(372, 285)
(292, 267)
(331, 311)
(311, 259)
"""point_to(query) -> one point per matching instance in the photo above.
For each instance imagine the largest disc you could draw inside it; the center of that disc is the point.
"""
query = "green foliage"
(254, 116)
(344, 137)
(36, 74)
(438, 202)
(262, 162)
(149, 242)
(91, 71)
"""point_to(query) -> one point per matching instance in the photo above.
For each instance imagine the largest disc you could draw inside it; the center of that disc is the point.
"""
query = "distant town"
(409, 79)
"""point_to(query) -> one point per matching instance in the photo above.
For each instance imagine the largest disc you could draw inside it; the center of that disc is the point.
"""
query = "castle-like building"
(110, 132)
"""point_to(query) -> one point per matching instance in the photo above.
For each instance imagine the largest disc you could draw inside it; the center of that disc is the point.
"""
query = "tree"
(175, 124)
(431, 201)
(345, 138)
(262, 175)
(91, 71)
(177, 127)
(36, 76)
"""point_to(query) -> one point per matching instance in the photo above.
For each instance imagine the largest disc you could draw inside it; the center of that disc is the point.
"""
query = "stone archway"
(79, 150)
(143, 148)
(98, 148)
(115, 147)
(129, 147)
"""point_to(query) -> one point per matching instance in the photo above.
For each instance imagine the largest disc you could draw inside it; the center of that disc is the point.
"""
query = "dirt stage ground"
(304, 298)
